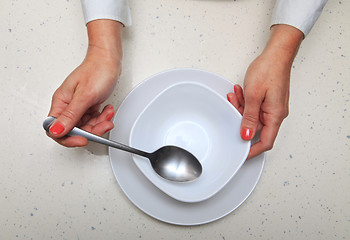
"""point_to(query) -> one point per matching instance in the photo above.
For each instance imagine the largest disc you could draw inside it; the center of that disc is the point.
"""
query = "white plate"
(196, 118)
(148, 197)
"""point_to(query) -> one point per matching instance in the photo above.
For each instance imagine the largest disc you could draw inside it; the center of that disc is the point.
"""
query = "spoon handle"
(94, 138)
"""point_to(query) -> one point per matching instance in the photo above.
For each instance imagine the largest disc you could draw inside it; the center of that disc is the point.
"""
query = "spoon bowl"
(170, 162)
(175, 163)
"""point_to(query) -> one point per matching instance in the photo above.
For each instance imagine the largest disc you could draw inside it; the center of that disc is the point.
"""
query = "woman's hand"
(78, 100)
(264, 104)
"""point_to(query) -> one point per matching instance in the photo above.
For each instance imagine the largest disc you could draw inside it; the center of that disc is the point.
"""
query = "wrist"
(284, 43)
(105, 39)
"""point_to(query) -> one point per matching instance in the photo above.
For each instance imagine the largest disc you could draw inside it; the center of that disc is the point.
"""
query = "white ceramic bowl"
(196, 118)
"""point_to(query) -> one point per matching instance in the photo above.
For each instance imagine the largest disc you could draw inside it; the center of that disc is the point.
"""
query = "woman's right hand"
(78, 100)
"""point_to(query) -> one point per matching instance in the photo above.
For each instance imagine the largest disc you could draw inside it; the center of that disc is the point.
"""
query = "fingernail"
(234, 89)
(229, 96)
(109, 129)
(246, 134)
(56, 128)
(110, 116)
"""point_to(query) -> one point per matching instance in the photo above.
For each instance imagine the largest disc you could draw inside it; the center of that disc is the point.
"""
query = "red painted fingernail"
(246, 134)
(109, 129)
(235, 89)
(56, 128)
(229, 96)
(110, 116)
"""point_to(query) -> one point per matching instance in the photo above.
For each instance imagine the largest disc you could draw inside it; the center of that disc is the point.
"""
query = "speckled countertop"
(50, 192)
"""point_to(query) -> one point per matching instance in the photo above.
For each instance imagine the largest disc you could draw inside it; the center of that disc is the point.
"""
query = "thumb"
(68, 118)
(251, 114)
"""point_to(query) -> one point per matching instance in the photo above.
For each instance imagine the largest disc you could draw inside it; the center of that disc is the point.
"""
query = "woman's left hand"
(264, 104)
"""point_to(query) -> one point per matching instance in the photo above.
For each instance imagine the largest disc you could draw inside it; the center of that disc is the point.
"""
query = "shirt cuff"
(301, 14)
(117, 10)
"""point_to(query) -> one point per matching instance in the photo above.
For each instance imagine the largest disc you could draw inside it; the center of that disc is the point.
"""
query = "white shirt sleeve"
(107, 9)
(301, 14)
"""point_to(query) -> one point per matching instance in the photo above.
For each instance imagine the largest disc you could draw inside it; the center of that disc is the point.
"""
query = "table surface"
(51, 192)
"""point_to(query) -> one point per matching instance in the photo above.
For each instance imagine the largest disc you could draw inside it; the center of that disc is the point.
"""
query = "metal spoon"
(170, 162)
